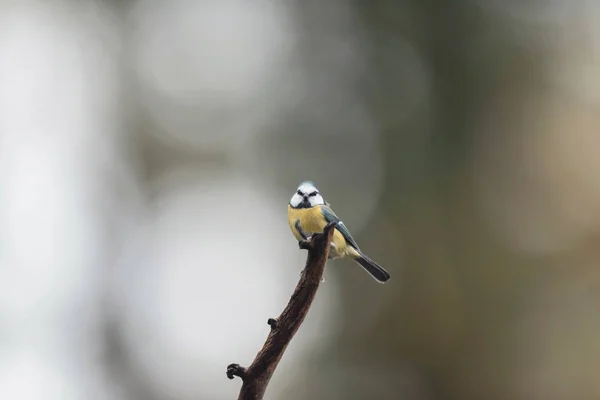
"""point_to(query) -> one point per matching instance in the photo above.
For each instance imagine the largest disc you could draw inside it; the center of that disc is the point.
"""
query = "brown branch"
(256, 377)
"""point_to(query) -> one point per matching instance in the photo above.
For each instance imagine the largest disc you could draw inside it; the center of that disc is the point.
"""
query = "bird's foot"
(305, 244)
(329, 225)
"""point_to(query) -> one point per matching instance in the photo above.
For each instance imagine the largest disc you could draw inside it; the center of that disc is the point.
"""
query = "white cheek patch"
(296, 199)
(316, 200)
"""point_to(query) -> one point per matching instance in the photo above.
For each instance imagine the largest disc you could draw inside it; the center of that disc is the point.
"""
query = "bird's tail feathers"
(374, 269)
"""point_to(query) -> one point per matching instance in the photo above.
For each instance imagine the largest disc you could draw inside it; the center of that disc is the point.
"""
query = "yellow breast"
(311, 221)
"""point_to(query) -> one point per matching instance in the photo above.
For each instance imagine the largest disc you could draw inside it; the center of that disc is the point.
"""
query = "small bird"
(308, 213)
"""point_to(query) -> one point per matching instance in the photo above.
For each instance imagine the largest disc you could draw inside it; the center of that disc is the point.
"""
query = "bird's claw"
(329, 225)
(305, 244)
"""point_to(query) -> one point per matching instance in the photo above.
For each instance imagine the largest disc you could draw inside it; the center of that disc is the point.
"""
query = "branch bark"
(256, 377)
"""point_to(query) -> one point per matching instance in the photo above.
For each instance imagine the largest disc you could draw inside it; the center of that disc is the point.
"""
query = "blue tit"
(308, 214)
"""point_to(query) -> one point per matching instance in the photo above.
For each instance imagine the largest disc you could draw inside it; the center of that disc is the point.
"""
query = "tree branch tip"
(272, 322)
(236, 370)
(256, 377)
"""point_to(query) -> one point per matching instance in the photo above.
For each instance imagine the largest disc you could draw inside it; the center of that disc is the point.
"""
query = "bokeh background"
(149, 148)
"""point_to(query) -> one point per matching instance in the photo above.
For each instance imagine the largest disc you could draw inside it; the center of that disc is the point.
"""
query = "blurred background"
(148, 151)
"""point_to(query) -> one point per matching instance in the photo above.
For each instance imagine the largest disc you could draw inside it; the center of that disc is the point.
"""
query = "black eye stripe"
(313, 194)
(300, 193)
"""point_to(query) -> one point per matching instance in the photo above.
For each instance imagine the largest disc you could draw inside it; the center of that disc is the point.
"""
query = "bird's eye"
(312, 194)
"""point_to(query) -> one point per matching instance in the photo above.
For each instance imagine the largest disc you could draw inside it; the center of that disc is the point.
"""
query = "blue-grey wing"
(330, 216)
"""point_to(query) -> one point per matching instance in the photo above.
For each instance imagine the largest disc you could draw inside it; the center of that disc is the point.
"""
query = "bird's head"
(307, 195)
